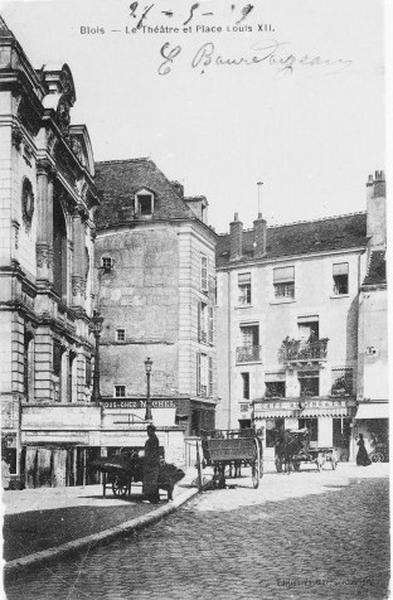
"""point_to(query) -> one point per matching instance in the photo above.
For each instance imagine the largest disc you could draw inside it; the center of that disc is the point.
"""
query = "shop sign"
(118, 403)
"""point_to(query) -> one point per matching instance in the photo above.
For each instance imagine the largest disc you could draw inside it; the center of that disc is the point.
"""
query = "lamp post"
(96, 326)
(148, 365)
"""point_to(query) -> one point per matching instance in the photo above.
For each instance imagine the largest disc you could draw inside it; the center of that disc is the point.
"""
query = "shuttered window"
(204, 277)
(211, 325)
(284, 282)
(340, 278)
(210, 390)
(244, 285)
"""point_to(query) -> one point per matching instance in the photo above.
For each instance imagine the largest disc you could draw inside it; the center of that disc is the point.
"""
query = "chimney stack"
(235, 238)
(179, 188)
(260, 227)
(376, 210)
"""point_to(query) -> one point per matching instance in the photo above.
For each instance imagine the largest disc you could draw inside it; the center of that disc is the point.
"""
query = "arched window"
(28, 371)
(59, 251)
(72, 377)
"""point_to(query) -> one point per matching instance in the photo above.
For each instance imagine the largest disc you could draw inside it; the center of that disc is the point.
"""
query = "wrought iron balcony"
(245, 354)
(300, 351)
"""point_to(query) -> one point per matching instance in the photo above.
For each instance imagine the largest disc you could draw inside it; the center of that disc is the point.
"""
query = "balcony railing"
(245, 354)
(298, 350)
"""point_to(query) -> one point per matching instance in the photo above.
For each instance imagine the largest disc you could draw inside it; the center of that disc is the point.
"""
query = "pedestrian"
(151, 466)
(362, 458)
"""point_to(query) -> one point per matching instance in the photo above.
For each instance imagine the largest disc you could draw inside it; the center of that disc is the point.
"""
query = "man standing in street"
(151, 466)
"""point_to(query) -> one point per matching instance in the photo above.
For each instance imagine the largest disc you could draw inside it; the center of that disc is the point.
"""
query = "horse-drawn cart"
(229, 448)
(120, 471)
(293, 448)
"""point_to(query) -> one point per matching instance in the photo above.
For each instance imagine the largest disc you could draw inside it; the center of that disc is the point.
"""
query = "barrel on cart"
(232, 448)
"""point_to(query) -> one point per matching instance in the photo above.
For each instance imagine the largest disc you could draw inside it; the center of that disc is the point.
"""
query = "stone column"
(78, 263)
(44, 245)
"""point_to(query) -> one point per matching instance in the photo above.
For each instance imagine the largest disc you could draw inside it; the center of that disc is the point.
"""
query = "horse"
(288, 445)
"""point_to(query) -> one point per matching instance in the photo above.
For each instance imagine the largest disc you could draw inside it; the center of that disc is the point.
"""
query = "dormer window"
(144, 203)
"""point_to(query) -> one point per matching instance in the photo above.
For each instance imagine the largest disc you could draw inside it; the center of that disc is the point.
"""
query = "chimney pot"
(376, 210)
(260, 228)
(235, 238)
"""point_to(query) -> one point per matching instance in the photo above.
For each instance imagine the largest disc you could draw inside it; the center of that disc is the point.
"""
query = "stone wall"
(140, 296)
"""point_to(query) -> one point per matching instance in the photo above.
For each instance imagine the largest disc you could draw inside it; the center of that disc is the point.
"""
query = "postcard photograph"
(193, 300)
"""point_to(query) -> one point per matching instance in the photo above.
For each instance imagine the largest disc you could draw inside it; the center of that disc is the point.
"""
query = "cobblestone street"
(304, 536)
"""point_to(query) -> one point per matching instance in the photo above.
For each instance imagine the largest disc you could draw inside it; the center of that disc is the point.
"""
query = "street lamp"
(148, 365)
(96, 327)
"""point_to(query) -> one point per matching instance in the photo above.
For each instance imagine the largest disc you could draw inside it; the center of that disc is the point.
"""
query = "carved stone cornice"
(45, 167)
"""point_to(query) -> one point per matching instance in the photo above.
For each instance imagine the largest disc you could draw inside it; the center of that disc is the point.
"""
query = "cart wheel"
(119, 487)
(377, 457)
(278, 463)
(256, 467)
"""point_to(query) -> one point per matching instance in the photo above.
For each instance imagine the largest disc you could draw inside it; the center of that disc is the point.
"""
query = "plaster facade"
(293, 325)
(155, 287)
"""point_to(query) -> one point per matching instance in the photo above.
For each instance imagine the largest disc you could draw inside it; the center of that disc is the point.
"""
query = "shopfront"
(328, 420)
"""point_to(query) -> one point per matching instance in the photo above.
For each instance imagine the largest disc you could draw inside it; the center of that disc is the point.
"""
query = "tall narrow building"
(155, 264)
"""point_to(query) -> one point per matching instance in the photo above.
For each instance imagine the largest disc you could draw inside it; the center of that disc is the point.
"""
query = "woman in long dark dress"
(151, 466)
(362, 458)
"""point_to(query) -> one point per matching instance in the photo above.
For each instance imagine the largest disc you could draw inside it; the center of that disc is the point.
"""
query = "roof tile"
(303, 237)
(119, 180)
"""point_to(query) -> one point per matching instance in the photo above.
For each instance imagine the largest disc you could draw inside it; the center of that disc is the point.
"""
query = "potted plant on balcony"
(341, 387)
(289, 348)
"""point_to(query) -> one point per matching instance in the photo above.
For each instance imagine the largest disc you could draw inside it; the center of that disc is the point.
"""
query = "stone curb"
(90, 541)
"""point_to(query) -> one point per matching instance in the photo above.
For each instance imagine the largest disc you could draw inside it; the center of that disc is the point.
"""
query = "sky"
(311, 133)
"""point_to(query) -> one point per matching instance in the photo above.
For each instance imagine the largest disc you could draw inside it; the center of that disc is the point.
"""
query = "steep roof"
(118, 181)
(303, 237)
(376, 272)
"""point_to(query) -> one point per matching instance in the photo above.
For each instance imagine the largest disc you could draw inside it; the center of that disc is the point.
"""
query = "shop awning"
(373, 410)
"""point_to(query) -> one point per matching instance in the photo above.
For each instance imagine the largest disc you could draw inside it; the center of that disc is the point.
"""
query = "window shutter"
(283, 274)
(211, 325)
(199, 321)
(204, 279)
(198, 373)
(210, 376)
(340, 269)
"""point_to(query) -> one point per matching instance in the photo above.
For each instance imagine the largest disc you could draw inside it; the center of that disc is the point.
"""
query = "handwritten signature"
(271, 53)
